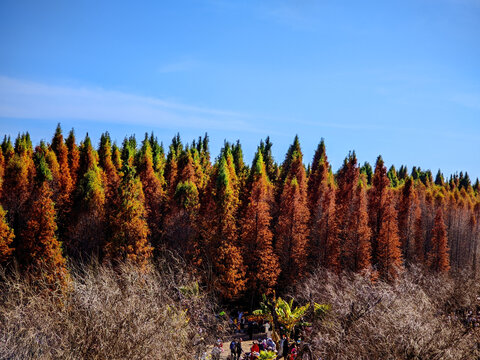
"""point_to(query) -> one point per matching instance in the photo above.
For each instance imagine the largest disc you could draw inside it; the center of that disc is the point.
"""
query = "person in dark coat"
(250, 330)
(233, 347)
(238, 349)
(283, 349)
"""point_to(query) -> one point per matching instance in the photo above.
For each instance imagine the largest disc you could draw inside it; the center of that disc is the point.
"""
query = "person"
(254, 351)
(293, 352)
(216, 351)
(250, 330)
(261, 345)
(268, 329)
(283, 348)
(271, 345)
(233, 347)
(238, 349)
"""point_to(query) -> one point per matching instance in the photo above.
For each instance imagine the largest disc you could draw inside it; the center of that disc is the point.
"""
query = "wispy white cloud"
(21, 99)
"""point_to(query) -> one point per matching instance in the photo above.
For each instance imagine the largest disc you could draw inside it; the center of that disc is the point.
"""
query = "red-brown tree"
(438, 257)
(356, 249)
(292, 226)
(389, 254)
(39, 250)
(261, 262)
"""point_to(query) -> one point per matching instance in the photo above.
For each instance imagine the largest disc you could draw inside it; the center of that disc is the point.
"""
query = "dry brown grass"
(107, 314)
(408, 319)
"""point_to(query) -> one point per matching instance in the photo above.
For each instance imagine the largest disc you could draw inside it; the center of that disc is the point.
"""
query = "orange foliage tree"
(324, 247)
(111, 177)
(73, 157)
(39, 248)
(171, 166)
(128, 231)
(438, 256)
(356, 250)
(292, 226)
(347, 181)
(18, 183)
(376, 197)
(153, 188)
(389, 254)
(65, 182)
(219, 233)
(2, 171)
(406, 218)
(261, 262)
(86, 233)
(181, 221)
(6, 238)
(418, 235)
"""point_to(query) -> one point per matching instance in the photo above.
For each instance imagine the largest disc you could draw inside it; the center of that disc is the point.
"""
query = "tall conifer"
(356, 250)
(128, 237)
(39, 249)
(219, 233)
(6, 238)
(262, 263)
(292, 227)
(438, 257)
(65, 183)
(389, 255)
(86, 234)
(153, 188)
(376, 197)
(73, 157)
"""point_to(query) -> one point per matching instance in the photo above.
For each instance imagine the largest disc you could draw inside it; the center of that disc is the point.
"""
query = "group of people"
(470, 318)
(285, 349)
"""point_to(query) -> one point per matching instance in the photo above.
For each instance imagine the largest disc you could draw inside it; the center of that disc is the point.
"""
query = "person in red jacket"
(255, 350)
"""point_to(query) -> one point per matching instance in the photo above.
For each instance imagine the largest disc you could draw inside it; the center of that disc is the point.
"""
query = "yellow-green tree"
(6, 238)
(128, 230)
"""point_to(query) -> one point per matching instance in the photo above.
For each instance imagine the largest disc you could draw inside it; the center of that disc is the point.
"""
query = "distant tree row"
(245, 229)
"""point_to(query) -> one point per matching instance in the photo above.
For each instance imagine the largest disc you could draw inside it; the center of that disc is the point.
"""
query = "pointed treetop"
(439, 178)
(368, 171)
(223, 177)
(23, 143)
(57, 140)
(402, 172)
(292, 150)
(320, 155)
(258, 166)
(43, 173)
(7, 146)
(392, 176)
(71, 139)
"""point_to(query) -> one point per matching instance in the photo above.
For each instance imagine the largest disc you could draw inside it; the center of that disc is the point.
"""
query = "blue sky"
(397, 78)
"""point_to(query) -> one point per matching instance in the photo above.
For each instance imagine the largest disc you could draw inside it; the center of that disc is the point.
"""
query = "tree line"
(245, 230)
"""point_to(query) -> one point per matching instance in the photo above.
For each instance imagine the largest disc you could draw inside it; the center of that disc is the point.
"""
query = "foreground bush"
(420, 316)
(107, 313)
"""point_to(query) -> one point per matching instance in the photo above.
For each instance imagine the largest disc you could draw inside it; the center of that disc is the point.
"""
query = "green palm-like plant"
(289, 316)
(281, 312)
(264, 310)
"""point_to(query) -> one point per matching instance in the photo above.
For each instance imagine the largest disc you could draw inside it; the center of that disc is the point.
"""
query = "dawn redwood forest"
(236, 231)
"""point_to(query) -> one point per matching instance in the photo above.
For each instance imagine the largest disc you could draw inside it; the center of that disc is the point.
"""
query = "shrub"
(109, 313)
(416, 317)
